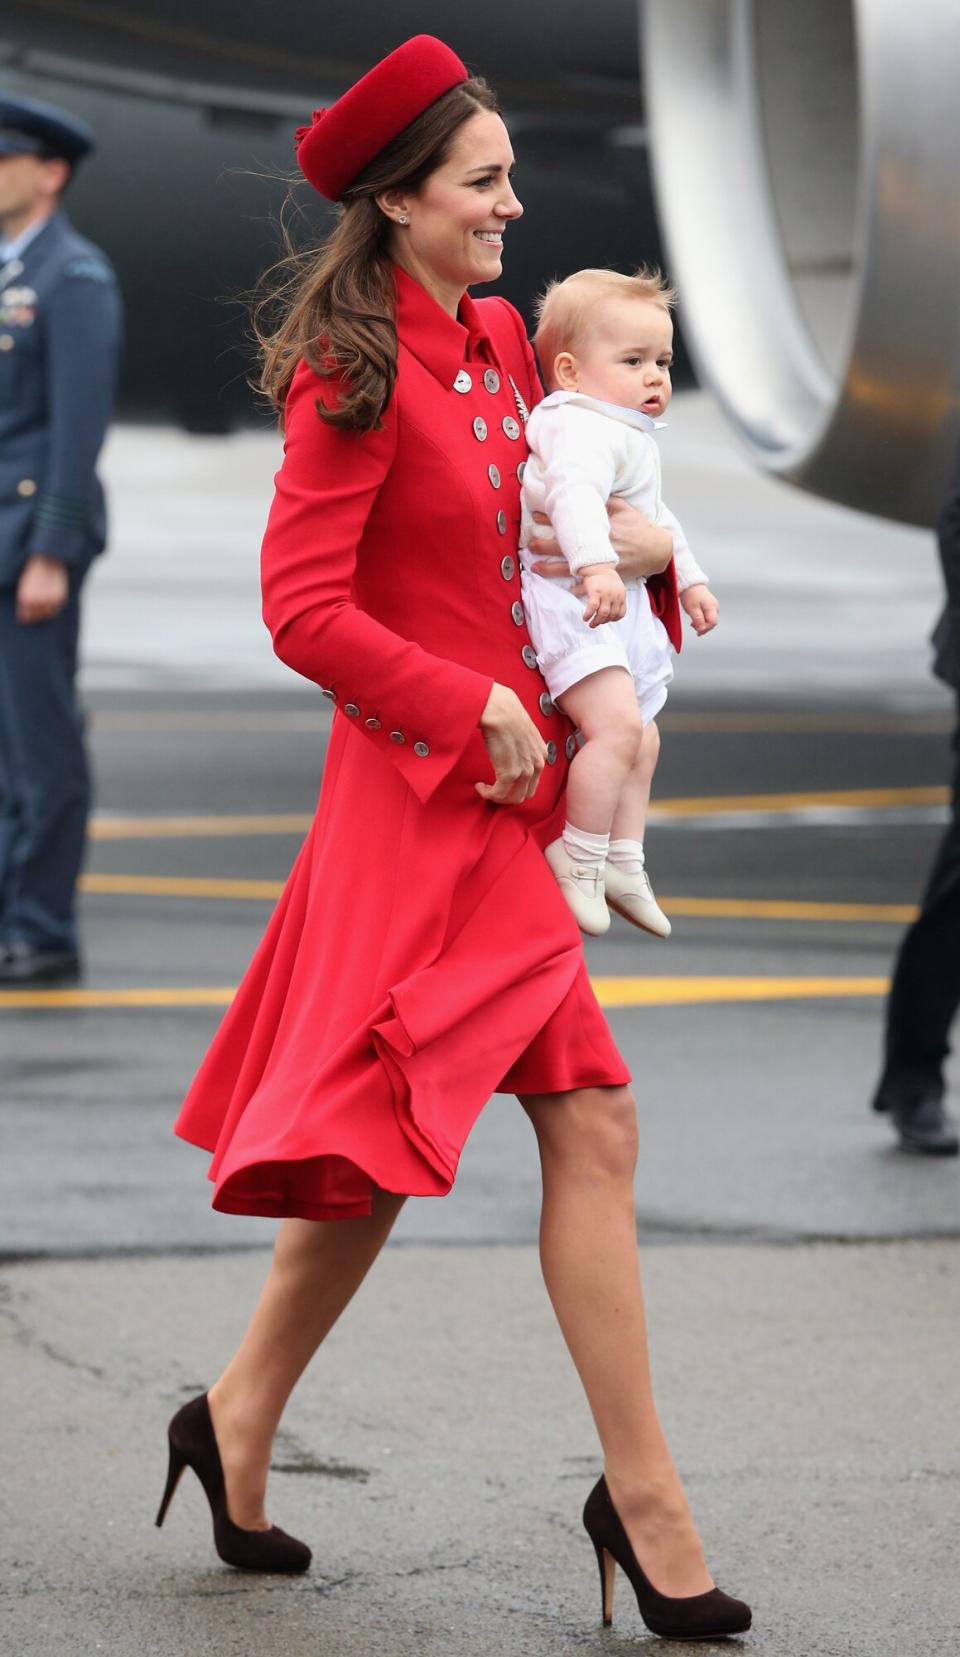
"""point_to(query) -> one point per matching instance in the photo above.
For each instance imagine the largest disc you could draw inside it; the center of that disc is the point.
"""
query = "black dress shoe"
(21, 964)
(922, 1124)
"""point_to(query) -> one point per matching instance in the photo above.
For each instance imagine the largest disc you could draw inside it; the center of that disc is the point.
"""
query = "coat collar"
(441, 343)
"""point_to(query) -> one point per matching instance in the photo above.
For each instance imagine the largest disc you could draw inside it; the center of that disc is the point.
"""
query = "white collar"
(16, 249)
(613, 411)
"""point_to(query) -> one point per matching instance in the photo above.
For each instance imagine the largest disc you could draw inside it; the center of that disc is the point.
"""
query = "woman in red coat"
(421, 957)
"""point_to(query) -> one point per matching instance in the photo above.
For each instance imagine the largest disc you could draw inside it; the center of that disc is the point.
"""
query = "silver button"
(529, 656)
(502, 522)
(546, 706)
(6, 342)
(511, 428)
(330, 695)
(551, 753)
(507, 568)
(491, 380)
(521, 469)
(397, 736)
(26, 486)
(463, 381)
(352, 709)
(373, 724)
(516, 610)
(421, 749)
(493, 473)
(570, 746)
(479, 429)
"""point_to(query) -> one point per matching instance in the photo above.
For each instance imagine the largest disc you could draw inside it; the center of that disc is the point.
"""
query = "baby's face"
(625, 358)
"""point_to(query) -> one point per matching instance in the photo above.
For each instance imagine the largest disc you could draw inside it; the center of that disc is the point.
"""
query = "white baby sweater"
(582, 451)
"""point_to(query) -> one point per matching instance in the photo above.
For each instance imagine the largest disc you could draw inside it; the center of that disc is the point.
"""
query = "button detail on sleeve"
(421, 749)
(480, 429)
(397, 736)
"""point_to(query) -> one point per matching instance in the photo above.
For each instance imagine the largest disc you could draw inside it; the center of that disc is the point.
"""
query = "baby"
(605, 344)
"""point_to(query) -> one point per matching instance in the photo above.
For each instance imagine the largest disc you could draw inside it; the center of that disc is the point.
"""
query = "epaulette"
(86, 265)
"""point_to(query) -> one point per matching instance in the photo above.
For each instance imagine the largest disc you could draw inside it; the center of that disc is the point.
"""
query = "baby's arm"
(695, 596)
(578, 469)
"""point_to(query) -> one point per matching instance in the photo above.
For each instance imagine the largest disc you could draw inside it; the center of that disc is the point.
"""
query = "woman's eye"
(481, 183)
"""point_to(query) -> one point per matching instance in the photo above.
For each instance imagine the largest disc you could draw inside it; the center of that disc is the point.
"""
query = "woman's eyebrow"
(490, 167)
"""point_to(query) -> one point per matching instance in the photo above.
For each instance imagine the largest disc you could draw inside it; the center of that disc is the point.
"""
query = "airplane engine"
(807, 168)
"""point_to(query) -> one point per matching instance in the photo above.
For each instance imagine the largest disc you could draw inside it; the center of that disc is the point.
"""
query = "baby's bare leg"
(630, 817)
(604, 706)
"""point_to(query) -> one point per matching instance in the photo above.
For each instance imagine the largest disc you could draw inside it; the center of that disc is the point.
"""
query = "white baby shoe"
(582, 886)
(631, 895)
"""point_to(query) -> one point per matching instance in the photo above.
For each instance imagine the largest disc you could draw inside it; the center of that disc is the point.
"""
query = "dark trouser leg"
(925, 992)
(44, 777)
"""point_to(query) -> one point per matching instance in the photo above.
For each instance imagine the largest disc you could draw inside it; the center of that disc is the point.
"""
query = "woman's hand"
(642, 548)
(517, 751)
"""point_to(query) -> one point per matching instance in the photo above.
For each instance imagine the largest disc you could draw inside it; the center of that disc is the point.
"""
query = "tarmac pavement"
(802, 1274)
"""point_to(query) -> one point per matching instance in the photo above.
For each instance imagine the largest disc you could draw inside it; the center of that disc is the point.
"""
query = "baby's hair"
(564, 308)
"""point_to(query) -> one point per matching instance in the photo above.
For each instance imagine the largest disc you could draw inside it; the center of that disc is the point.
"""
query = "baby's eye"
(634, 362)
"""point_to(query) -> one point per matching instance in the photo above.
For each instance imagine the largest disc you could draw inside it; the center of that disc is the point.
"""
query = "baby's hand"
(702, 608)
(606, 595)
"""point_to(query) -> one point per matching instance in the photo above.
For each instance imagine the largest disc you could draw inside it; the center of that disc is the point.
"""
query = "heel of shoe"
(175, 1470)
(608, 1571)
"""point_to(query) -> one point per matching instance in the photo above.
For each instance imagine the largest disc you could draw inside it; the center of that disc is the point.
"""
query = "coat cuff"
(60, 528)
(426, 747)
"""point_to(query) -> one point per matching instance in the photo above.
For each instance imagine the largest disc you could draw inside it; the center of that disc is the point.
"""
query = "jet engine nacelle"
(807, 166)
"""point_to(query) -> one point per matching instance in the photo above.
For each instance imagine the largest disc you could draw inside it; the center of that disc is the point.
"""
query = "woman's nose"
(510, 207)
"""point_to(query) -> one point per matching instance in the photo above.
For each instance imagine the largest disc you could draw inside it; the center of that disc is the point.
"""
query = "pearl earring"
(402, 219)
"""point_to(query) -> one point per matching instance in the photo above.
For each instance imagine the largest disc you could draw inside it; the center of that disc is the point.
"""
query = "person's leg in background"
(44, 794)
(923, 1002)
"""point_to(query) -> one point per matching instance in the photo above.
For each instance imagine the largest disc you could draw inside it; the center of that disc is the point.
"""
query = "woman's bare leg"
(317, 1268)
(588, 1250)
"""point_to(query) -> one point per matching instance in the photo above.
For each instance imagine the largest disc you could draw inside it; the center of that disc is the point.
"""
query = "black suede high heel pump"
(709, 1616)
(193, 1443)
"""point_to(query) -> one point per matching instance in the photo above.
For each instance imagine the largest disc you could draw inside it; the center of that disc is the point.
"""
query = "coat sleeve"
(82, 323)
(428, 708)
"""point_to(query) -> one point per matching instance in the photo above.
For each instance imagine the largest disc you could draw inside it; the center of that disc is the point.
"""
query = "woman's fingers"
(516, 749)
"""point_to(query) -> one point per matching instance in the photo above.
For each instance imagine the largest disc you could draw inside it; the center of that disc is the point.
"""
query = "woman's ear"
(565, 372)
(395, 204)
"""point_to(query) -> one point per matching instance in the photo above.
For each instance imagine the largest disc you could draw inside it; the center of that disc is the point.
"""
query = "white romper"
(583, 451)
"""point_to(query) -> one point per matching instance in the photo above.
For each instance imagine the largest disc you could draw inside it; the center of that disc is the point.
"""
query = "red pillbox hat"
(352, 131)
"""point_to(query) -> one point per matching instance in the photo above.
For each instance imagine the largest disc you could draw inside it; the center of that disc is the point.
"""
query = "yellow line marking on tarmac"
(665, 992)
(867, 799)
(610, 992)
(766, 909)
(176, 886)
(212, 827)
(188, 828)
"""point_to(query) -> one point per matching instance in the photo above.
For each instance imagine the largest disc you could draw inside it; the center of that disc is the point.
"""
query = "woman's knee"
(591, 1132)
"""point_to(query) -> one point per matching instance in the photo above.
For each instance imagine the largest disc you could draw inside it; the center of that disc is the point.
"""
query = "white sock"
(589, 850)
(627, 855)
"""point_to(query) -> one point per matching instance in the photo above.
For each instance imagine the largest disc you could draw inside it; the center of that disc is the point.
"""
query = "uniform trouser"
(925, 993)
(44, 776)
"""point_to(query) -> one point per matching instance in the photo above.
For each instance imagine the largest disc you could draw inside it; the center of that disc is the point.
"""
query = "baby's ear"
(565, 372)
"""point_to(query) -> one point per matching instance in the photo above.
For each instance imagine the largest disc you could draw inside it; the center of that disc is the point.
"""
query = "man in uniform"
(60, 324)
(925, 992)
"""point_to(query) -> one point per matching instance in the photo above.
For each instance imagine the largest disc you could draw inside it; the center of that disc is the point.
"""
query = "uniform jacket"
(60, 323)
(421, 956)
(946, 638)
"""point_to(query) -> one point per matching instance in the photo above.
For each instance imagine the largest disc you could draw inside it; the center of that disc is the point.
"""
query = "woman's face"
(456, 220)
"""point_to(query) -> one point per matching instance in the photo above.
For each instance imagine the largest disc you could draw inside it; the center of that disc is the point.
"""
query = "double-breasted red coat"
(421, 956)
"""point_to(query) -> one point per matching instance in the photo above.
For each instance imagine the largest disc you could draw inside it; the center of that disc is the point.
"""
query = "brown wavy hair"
(335, 305)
